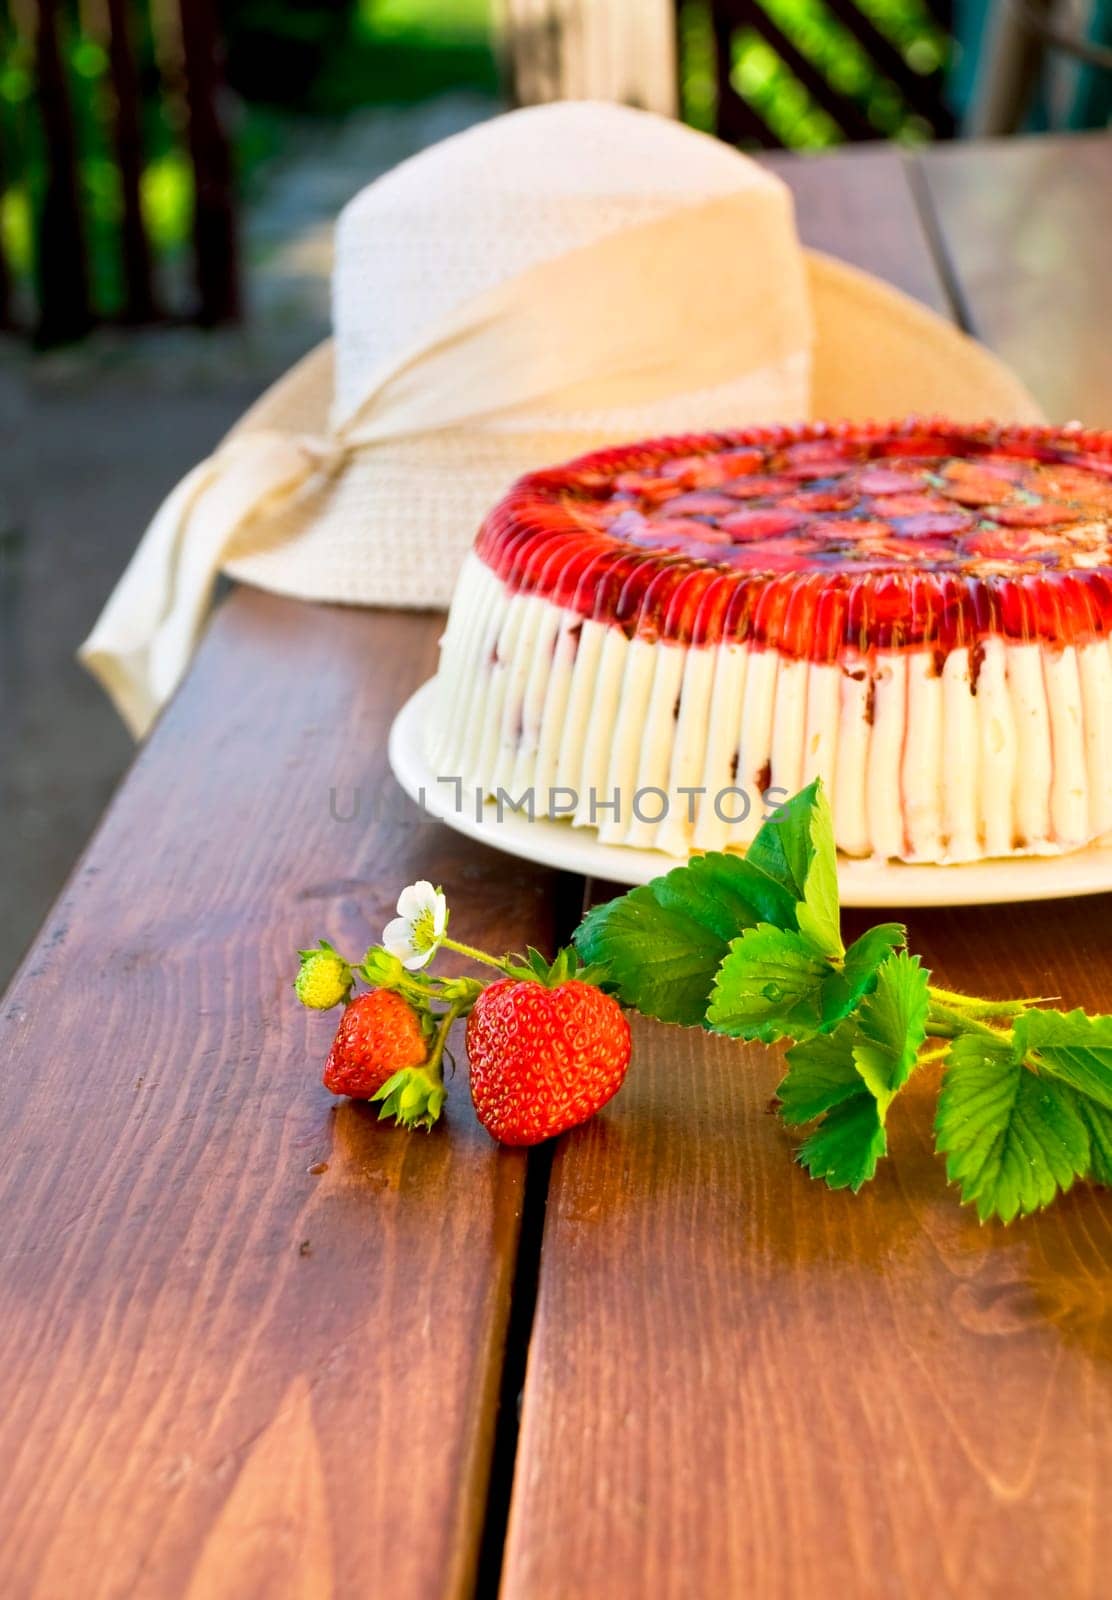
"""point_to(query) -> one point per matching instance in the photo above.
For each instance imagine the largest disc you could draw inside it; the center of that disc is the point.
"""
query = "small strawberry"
(544, 1056)
(323, 978)
(379, 1035)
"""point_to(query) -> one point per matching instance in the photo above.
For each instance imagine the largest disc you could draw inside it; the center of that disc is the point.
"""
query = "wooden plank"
(223, 1371)
(1027, 231)
(741, 1383)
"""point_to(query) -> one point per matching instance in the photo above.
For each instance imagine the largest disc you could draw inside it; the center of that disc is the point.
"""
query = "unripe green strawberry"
(382, 970)
(323, 979)
(414, 1096)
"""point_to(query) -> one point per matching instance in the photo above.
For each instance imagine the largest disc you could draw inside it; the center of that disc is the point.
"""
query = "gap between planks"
(574, 897)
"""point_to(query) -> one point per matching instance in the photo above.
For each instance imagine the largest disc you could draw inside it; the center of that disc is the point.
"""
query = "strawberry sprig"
(375, 1055)
(392, 1041)
(752, 947)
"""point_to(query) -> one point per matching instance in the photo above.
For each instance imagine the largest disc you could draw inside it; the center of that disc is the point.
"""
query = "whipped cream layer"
(673, 747)
(664, 654)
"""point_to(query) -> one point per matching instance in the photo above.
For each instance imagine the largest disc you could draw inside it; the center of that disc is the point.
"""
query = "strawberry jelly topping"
(825, 538)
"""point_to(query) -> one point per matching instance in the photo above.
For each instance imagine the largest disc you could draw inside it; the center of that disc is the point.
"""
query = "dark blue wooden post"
(139, 301)
(214, 226)
(61, 270)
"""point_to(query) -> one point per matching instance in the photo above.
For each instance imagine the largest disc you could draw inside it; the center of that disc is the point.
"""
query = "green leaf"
(823, 1081)
(846, 1146)
(1012, 1140)
(725, 892)
(819, 916)
(850, 1077)
(1076, 1049)
(769, 986)
(1098, 1125)
(781, 987)
(784, 846)
(1073, 1047)
(844, 990)
(821, 1075)
(662, 943)
(866, 955)
(795, 847)
(891, 1027)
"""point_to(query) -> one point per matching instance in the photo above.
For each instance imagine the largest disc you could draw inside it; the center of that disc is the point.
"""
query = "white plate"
(862, 883)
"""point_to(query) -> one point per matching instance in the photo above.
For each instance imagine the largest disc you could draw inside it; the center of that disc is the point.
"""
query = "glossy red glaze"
(824, 538)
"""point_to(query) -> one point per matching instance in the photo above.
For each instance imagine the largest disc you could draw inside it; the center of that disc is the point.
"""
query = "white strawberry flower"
(415, 934)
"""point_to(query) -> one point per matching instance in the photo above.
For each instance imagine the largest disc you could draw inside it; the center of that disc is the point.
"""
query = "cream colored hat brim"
(877, 354)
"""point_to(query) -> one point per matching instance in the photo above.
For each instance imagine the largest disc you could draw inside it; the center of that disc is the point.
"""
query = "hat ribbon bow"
(678, 304)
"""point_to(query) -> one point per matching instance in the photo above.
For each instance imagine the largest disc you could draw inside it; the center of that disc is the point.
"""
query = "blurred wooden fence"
(869, 71)
(757, 72)
(42, 40)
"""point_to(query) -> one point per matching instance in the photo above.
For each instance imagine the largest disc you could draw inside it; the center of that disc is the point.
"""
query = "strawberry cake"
(662, 641)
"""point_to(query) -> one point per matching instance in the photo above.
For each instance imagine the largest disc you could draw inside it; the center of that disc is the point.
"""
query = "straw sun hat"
(557, 279)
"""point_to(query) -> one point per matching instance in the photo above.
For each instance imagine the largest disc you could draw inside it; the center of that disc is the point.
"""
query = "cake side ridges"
(923, 760)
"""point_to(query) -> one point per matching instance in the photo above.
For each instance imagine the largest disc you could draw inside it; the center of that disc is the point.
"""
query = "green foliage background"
(772, 89)
(288, 60)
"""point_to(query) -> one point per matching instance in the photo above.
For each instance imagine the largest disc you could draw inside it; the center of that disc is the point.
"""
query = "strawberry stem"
(434, 1064)
(946, 1022)
(980, 1008)
(472, 954)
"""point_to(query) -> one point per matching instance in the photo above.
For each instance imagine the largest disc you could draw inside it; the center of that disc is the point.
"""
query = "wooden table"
(252, 1343)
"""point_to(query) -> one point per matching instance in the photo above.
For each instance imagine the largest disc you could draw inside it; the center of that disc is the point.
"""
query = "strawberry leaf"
(823, 1081)
(844, 990)
(1098, 1125)
(661, 945)
(891, 1027)
(774, 984)
(821, 1074)
(795, 847)
(784, 847)
(847, 1145)
(769, 986)
(1073, 1047)
(1012, 1140)
(850, 1077)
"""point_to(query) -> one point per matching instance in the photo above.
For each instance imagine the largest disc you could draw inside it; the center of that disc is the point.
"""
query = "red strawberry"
(379, 1034)
(1041, 516)
(544, 1059)
(745, 525)
(886, 480)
